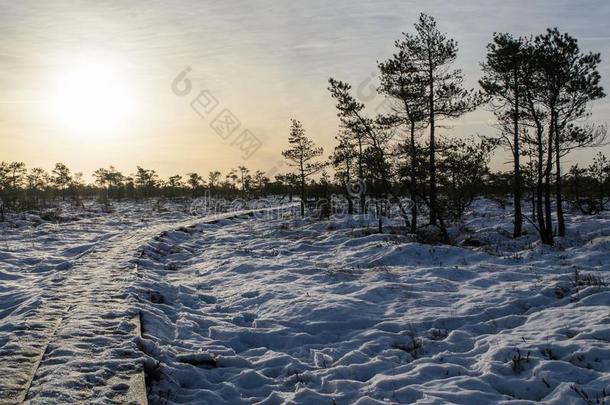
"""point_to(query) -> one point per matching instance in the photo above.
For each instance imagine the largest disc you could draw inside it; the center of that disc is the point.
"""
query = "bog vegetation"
(539, 88)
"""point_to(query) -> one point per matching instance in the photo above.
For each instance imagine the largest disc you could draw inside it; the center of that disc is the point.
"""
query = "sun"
(91, 95)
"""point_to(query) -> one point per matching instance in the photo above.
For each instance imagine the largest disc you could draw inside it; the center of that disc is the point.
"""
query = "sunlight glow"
(91, 95)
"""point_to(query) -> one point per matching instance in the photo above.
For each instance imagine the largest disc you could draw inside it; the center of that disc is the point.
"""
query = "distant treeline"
(23, 189)
(587, 189)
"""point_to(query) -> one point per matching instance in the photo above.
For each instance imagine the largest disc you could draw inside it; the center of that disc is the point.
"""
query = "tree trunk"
(539, 191)
(433, 210)
(533, 204)
(243, 187)
(350, 202)
(518, 230)
(561, 227)
(413, 175)
(547, 193)
(361, 177)
(302, 198)
(302, 188)
(380, 214)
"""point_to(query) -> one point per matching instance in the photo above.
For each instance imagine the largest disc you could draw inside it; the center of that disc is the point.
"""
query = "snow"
(63, 302)
(323, 312)
(274, 309)
(67, 320)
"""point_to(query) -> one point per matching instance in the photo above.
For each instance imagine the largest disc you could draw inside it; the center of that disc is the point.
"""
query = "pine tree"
(570, 80)
(213, 180)
(342, 160)
(146, 180)
(260, 181)
(372, 136)
(599, 170)
(37, 181)
(431, 55)
(62, 178)
(406, 86)
(244, 179)
(174, 184)
(194, 181)
(533, 137)
(302, 155)
(502, 81)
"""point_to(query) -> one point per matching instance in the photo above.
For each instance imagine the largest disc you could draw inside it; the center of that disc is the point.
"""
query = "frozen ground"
(274, 311)
(279, 310)
(65, 317)
(67, 322)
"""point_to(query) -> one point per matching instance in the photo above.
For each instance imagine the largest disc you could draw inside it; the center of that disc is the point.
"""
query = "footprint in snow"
(245, 319)
(250, 294)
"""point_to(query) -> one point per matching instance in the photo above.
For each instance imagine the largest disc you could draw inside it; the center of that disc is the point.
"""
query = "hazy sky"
(264, 61)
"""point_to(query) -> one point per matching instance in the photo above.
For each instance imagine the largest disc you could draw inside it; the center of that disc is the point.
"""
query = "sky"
(94, 84)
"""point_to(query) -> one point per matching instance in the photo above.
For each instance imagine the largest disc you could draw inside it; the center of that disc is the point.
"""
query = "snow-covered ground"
(278, 310)
(67, 321)
(64, 313)
(273, 309)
